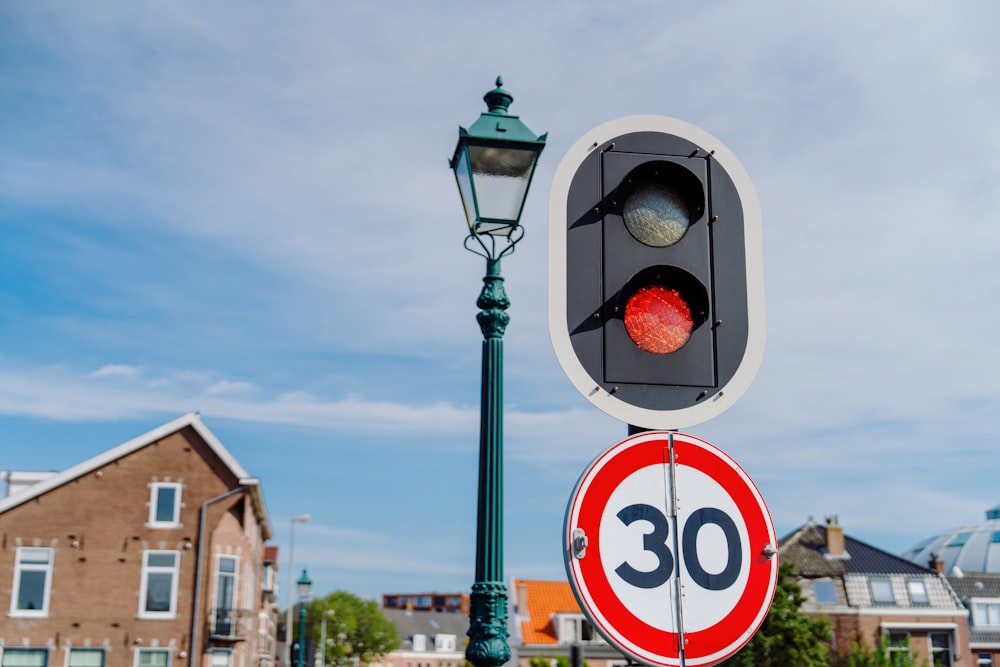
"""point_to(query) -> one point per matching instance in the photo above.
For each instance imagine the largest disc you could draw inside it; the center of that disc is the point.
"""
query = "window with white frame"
(85, 657)
(985, 612)
(225, 595)
(221, 657)
(32, 582)
(152, 657)
(941, 649)
(158, 592)
(24, 657)
(918, 592)
(165, 505)
(984, 660)
(882, 591)
(419, 642)
(445, 643)
(899, 642)
(575, 628)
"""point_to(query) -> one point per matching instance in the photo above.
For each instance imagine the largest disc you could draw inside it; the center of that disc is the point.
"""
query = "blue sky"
(245, 209)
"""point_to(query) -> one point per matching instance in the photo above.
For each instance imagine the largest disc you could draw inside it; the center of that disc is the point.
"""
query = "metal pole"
(287, 658)
(488, 601)
(302, 633)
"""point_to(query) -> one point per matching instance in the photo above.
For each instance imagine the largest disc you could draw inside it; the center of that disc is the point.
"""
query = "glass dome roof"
(969, 548)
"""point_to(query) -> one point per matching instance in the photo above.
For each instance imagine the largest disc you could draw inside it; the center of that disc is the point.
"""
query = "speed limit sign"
(670, 550)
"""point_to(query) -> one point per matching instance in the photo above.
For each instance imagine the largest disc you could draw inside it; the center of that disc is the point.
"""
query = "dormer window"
(985, 612)
(882, 591)
(419, 642)
(575, 628)
(165, 505)
(445, 643)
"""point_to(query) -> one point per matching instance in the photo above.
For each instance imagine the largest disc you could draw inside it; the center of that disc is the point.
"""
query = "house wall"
(97, 525)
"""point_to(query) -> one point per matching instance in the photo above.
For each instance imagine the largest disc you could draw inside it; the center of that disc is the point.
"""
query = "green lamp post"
(304, 585)
(493, 163)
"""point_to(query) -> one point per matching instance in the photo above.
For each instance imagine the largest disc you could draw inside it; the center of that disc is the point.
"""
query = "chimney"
(936, 563)
(834, 538)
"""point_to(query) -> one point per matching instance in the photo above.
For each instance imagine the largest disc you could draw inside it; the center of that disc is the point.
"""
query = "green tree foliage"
(864, 656)
(355, 628)
(787, 636)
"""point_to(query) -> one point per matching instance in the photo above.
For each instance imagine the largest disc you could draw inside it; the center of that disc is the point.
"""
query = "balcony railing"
(226, 626)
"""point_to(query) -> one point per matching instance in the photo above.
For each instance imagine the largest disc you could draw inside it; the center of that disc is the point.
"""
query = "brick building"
(867, 594)
(150, 554)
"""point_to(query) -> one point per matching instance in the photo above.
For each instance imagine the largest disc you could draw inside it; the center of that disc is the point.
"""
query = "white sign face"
(663, 556)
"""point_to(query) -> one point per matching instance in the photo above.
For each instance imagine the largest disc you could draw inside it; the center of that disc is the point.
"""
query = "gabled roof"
(429, 623)
(538, 602)
(192, 420)
(806, 548)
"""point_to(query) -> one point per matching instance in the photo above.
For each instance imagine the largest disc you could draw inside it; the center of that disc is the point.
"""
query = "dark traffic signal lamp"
(656, 305)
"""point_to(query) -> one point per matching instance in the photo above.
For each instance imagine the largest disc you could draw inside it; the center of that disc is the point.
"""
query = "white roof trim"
(191, 419)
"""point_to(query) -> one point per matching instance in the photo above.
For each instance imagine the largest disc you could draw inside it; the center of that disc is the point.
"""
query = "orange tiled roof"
(545, 598)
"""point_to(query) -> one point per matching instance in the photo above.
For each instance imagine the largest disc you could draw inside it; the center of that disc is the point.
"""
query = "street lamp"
(493, 163)
(301, 518)
(304, 585)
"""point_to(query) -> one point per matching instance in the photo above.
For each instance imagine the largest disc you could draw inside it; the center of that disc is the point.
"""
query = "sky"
(245, 209)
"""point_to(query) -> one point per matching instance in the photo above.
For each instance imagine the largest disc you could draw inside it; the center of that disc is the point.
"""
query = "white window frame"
(419, 642)
(20, 567)
(981, 616)
(234, 604)
(139, 651)
(892, 593)
(948, 650)
(148, 570)
(445, 643)
(154, 502)
(921, 586)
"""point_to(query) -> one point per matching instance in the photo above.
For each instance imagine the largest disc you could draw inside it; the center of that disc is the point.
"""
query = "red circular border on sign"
(758, 590)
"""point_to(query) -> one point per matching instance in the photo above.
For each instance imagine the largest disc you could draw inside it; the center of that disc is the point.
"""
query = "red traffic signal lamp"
(656, 301)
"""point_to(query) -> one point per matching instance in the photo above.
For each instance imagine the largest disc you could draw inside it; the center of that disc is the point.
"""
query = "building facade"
(546, 622)
(151, 554)
(869, 595)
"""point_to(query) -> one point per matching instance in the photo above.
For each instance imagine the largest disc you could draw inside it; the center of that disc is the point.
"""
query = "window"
(419, 642)
(574, 628)
(941, 649)
(899, 642)
(918, 592)
(882, 591)
(86, 657)
(221, 658)
(225, 596)
(984, 660)
(152, 657)
(445, 643)
(824, 591)
(24, 657)
(959, 540)
(986, 613)
(158, 595)
(32, 582)
(165, 505)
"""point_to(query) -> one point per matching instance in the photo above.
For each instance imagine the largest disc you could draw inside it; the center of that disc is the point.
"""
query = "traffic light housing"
(656, 305)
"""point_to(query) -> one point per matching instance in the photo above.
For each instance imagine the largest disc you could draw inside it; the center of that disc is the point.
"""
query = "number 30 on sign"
(670, 550)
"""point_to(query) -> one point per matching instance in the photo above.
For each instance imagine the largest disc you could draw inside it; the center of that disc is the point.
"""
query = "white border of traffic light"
(725, 396)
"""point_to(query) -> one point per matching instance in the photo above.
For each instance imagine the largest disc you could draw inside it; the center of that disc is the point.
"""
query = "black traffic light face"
(657, 281)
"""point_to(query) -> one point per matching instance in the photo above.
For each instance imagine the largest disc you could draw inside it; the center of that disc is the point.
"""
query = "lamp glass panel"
(501, 177)
(464, 178)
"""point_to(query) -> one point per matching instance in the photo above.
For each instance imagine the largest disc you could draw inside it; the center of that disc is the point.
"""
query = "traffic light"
(656, 301)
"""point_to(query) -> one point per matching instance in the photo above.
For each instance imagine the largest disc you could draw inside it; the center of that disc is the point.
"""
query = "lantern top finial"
(498, 100)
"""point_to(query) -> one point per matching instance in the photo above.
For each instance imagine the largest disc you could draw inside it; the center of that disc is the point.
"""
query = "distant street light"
(301, 518)
(304, 585)
(493, 163)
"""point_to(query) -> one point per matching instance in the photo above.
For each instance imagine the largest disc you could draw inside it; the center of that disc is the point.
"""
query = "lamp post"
(301, 518)
(493, 163)
(304, 585)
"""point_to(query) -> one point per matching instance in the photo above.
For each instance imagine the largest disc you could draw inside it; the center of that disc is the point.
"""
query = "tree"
(355, 628)
(864, 656)
(787, 636)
